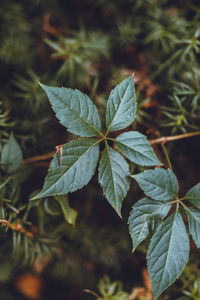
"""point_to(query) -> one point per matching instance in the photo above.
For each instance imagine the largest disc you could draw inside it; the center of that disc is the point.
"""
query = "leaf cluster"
(169, 247)
(74, 168)
(111, 290)
(158, 40)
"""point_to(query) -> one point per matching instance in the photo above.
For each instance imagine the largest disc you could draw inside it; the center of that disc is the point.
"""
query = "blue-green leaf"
(73, 170)
(153, 222)
(121, 106)
(194, 224)
(168, 253)
(159, 184)
(33, 202)
(193, 195)
(136, 148)
(114, 177)
(139, 218)
(11, 156)
(75, 111)
(70, 214)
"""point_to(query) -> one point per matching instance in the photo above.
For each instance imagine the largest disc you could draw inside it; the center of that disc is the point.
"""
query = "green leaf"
(32, 203)
(73, 170)
(168, 253)
(159, 184)
(114, 177)
(194, 224)
(11, 156)
(22, 173)
(75, 111)
(52, 207)
(136, 148)
(70, 214)
(111, 290)
(193, 195)
(139, 218)
(121, 106)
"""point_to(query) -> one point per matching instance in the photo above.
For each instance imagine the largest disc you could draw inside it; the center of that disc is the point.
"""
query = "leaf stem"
(107, 132)
(50, 154)
(5, 182)
(166, 139)
(163, 140)
(109, 138)
(184, 205)
(167, 156)
(38, 158)
(92, 293)
(178, 201)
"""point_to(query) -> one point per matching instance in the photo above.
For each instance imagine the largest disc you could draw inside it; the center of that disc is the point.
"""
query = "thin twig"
(166, 139)
(5, 182)
(91, 292)
(16, 227)
(38, 158)
(166, 156)
(163, 139)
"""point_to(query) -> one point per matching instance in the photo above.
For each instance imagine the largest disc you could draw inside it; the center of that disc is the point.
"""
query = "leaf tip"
(38, 196)
(41, 85)
(119, 214)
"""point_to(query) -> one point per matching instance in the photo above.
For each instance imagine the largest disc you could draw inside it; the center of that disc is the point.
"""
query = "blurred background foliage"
(91, 46)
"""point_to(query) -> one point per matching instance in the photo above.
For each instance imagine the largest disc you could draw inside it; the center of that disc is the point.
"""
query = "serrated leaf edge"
(156, 297)
(43, 86)
(39, 195)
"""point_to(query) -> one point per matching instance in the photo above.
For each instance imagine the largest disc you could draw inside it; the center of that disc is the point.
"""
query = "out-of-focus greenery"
(90, 45)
